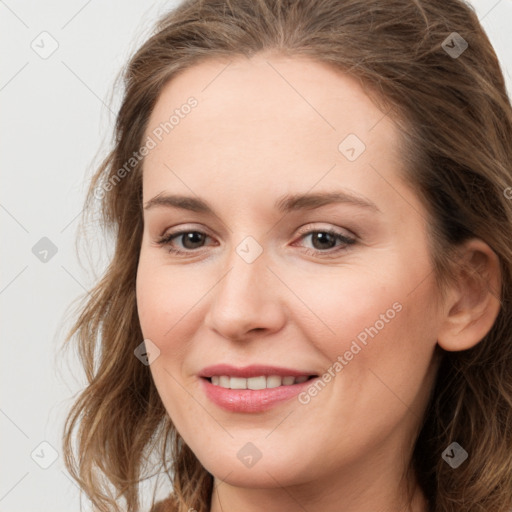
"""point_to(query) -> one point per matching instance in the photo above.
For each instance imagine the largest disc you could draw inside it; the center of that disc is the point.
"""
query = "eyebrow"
(285, 204)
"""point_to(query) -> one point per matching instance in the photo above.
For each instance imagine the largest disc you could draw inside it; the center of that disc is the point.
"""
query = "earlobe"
(472, 304)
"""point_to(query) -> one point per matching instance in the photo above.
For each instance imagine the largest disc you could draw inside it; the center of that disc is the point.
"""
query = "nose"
(248, 299)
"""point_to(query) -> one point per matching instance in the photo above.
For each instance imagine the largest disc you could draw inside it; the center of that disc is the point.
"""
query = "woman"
(268, 371)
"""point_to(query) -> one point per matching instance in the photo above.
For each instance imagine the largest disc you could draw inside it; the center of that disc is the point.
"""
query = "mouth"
(254, 388)
(258, 382)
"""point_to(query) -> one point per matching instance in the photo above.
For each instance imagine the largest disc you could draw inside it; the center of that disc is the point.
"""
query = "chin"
(266, 472)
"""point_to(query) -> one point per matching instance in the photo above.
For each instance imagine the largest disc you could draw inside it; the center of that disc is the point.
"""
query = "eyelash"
(165, 241)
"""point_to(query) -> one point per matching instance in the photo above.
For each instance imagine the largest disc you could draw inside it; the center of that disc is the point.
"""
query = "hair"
(455, 121)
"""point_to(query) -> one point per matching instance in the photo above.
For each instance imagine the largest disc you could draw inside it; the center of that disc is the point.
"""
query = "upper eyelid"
(306, 229)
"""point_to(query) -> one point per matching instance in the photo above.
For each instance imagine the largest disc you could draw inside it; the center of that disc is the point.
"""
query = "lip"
(248, 400)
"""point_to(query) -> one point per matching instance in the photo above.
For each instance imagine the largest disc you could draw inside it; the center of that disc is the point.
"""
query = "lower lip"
(249, 400)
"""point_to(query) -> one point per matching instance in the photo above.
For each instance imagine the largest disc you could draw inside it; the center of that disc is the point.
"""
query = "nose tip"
(246, 300)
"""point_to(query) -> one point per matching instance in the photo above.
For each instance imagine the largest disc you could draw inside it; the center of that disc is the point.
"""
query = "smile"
(255, 383)
(252, 389)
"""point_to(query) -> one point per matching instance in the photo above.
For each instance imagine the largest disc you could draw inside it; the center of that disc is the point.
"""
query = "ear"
(472, 303)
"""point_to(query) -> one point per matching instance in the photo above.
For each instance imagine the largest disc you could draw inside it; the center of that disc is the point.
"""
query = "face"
(299, 254)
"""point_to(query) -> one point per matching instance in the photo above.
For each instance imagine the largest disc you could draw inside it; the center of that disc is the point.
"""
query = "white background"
(56, 124)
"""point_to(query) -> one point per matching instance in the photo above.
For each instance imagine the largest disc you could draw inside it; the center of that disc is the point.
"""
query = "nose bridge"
(245, 298)
(241, 287)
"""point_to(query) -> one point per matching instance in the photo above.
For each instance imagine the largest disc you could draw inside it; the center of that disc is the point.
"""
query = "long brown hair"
(455, 118)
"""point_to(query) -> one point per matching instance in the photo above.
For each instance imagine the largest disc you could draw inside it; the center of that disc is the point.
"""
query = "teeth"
(274, 381)
(237, 383)
(223, 381)
(255, 383)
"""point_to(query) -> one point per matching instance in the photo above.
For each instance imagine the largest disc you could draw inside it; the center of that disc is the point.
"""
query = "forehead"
(272, 90)
(266, 117)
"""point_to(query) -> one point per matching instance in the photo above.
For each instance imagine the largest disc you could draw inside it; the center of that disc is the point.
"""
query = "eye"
(190, 240)
(325, 240)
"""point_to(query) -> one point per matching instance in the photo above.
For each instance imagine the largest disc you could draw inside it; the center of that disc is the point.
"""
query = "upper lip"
(251, 371)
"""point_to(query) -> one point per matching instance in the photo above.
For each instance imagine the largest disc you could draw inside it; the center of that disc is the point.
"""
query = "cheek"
(386, 348)
(165, 301)
(378, 361)
(165, 298)
(341, 306)
(380, 322)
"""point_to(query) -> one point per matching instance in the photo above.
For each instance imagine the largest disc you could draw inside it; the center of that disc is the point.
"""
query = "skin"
(265, 127)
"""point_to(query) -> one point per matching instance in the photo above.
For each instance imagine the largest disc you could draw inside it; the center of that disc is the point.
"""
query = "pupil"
(323, 238)
(193, 237)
